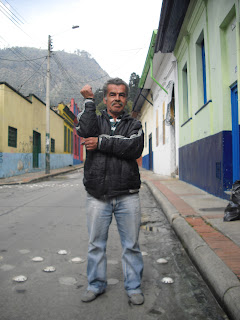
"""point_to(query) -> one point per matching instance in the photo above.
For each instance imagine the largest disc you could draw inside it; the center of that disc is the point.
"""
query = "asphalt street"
(47, 220)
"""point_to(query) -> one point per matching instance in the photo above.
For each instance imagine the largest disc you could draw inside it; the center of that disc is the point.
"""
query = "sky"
(117, 34)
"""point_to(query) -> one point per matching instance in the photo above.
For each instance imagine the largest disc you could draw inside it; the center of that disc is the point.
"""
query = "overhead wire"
(14, 10)
(30, 77)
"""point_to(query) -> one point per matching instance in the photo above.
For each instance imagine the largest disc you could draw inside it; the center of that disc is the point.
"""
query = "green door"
(36, 148)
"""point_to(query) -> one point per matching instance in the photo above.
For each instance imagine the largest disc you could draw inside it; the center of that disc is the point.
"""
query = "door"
(36, 148)
(235, 133)
(150, 153)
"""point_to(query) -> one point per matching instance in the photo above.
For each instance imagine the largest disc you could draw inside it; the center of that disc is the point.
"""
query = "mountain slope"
(25, 69)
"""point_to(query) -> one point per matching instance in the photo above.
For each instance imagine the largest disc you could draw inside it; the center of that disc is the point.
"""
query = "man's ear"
(105, 100)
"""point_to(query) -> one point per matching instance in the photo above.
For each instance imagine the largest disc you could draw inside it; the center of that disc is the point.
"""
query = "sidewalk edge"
(41, 177)
(221, 280)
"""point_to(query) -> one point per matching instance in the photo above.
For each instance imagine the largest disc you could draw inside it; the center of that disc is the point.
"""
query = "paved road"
(39, 220)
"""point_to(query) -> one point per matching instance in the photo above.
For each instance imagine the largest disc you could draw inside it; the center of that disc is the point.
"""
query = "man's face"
(116, 99)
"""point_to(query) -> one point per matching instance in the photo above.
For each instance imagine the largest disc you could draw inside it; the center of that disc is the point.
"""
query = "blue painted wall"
(207, 163)
(146, 161)
(12, 164)
(76, 161)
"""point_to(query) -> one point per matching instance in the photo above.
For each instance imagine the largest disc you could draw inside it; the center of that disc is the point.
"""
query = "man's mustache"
(118, 103)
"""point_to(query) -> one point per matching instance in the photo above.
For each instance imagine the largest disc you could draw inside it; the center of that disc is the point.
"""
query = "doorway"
(150, 153)
(235, 133)
(36, 148)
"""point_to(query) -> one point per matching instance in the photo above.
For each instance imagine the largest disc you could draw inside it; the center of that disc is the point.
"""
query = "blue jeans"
(127, 213)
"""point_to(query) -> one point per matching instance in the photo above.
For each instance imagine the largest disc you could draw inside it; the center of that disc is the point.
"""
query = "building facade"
(77, 146)
(23, 132)
(208, 55)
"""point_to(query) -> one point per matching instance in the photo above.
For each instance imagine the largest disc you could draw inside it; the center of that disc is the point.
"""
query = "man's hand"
(86, 92)
(91, 143)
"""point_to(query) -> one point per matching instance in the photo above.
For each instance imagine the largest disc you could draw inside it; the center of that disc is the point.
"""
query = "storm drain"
(151, 228)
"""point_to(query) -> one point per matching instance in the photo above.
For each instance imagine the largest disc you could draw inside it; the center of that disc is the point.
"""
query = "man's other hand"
(91, 143)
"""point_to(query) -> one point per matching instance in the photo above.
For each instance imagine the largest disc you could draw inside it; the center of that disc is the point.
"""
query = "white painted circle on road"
(112, 281)
(77, 260)
(167, 280)
(49, 269)
(63, 252)
(162, 261)
(7, 267)
(37, 259)
(69, 281)
(112, 261)
(20, 278)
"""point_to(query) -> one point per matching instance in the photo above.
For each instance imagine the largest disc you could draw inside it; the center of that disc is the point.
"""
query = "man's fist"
(86, 91)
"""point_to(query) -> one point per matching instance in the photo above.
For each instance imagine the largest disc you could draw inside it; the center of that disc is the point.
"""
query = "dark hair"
(116, 81)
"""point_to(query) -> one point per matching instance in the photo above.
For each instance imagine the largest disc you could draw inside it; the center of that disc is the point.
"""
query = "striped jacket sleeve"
(129, 147)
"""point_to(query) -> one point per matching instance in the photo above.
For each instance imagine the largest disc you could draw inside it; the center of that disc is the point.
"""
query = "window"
(12, 137)
(65, 139)
(76, 144)
(68, 141)
(204, 72)
(163, 123)
(52, 145)
(201, 70)
(71, 142)
(185, 93)
(157, 128)
(145, 135)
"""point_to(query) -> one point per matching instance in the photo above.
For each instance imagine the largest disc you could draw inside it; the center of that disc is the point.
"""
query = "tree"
(133, 86)
(98, 96)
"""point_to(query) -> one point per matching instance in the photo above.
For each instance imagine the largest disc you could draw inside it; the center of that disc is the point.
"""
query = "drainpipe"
(151, 67)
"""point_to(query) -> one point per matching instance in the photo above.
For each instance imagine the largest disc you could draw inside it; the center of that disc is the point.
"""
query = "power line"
(9, 12)
(22, 60)
(15, 11)
(30, 77)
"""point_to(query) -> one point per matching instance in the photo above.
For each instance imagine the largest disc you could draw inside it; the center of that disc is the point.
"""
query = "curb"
(220, 279)
(40, 178)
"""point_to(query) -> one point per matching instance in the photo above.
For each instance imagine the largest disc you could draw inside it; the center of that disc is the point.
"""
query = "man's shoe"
(89, 296)
(136, 298)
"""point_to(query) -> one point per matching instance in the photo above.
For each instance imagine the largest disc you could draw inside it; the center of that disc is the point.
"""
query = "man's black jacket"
(111, 170)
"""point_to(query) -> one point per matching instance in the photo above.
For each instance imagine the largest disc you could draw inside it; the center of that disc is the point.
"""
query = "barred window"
(12, 137)
(65, 139)
(52, 145)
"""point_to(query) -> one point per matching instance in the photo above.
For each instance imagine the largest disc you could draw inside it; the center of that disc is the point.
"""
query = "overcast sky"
(117, 34)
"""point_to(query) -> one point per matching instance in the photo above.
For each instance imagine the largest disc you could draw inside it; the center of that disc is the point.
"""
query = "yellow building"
(23, 132)
(69, 117)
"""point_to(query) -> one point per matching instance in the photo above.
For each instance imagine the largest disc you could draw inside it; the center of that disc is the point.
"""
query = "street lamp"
(47, 145)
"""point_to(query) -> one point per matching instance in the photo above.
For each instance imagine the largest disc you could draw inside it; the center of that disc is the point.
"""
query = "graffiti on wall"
(25, 161)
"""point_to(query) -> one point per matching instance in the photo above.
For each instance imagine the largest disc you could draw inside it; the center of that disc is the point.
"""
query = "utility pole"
(47, 146)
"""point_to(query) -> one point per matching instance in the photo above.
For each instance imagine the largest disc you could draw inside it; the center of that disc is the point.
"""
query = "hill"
(25, 69)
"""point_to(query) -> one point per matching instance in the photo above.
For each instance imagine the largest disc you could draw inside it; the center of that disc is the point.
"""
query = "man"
(113, 142)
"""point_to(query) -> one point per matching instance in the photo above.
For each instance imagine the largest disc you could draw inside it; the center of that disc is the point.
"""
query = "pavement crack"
(24, 204)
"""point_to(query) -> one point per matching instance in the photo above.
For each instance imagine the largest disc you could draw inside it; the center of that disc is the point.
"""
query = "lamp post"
(47, 145)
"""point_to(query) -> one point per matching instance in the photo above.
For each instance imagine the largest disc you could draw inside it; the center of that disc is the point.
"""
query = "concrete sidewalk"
(197, 218)
(37, 176)
(213, 245)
